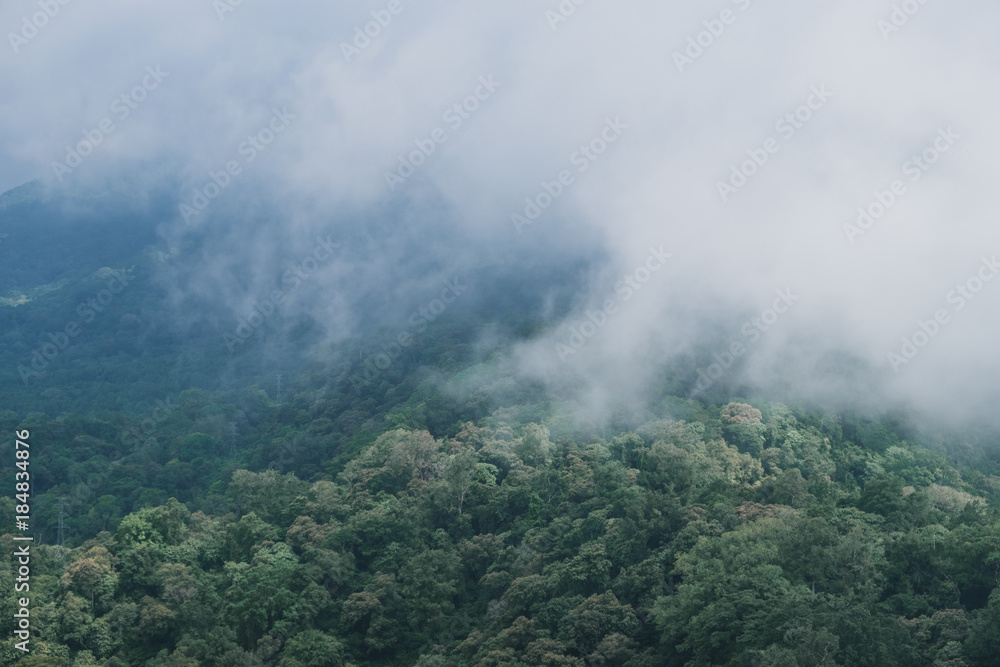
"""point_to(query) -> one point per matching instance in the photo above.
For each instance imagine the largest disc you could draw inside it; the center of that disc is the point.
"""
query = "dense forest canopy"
(339, 527)
(499, 334)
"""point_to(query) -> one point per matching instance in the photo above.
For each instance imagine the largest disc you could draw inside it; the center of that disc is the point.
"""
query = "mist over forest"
(563, 333)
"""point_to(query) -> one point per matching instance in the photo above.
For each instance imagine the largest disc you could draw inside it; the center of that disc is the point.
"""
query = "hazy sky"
(823, 106)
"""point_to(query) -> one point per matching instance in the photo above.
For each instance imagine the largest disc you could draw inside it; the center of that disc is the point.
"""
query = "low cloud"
(793, 148)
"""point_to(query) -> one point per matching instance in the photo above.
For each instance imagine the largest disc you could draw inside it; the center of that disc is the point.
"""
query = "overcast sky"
(865, 86)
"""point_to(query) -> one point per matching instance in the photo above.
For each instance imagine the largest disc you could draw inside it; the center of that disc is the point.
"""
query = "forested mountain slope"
(299, 501)
(734, 536)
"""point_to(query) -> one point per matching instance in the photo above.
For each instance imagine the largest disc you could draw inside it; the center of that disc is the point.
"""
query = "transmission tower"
(232, 438)
(279, 389)
(62, 515)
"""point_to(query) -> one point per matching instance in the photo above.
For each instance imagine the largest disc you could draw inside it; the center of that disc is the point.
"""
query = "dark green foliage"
(365, 530)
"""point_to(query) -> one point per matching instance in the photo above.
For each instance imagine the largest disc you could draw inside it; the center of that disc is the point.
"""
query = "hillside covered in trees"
(499, 334)
(334, 534)
(441, 510)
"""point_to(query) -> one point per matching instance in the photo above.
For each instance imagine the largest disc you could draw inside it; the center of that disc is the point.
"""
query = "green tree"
(312, 648)
(198, 445)
(260, 592)
(596, 618)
